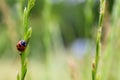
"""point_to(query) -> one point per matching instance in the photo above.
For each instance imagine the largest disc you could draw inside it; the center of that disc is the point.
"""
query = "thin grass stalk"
(98, 41)
(26, 38)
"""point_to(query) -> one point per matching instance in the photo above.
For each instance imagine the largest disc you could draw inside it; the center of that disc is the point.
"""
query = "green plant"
(26, 38)
(98, 41)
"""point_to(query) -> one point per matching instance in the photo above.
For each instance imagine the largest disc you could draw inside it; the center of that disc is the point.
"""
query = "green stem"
(26, 38)
(24, 54)
(23, 57)
(23, 67)
(98, 41)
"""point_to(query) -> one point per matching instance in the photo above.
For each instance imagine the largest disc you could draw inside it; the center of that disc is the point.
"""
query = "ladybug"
(21, 45)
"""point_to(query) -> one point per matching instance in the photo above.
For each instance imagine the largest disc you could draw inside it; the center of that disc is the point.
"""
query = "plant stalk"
(98, 41)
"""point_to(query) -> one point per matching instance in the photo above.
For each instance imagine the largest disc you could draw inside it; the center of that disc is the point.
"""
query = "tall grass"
(98, 41)
(26, 38)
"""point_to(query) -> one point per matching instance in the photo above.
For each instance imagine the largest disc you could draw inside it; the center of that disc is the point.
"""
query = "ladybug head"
(23, 43)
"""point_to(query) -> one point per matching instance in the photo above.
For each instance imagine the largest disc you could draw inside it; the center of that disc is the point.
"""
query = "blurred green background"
(62, 46)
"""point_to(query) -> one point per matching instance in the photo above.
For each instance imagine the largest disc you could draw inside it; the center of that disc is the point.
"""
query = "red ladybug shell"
(21, 45)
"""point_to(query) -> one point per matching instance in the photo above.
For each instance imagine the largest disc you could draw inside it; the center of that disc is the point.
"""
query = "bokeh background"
(63, 41)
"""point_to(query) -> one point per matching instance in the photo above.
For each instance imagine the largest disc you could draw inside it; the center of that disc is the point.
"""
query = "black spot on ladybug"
(19, 49)
(19, 45)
